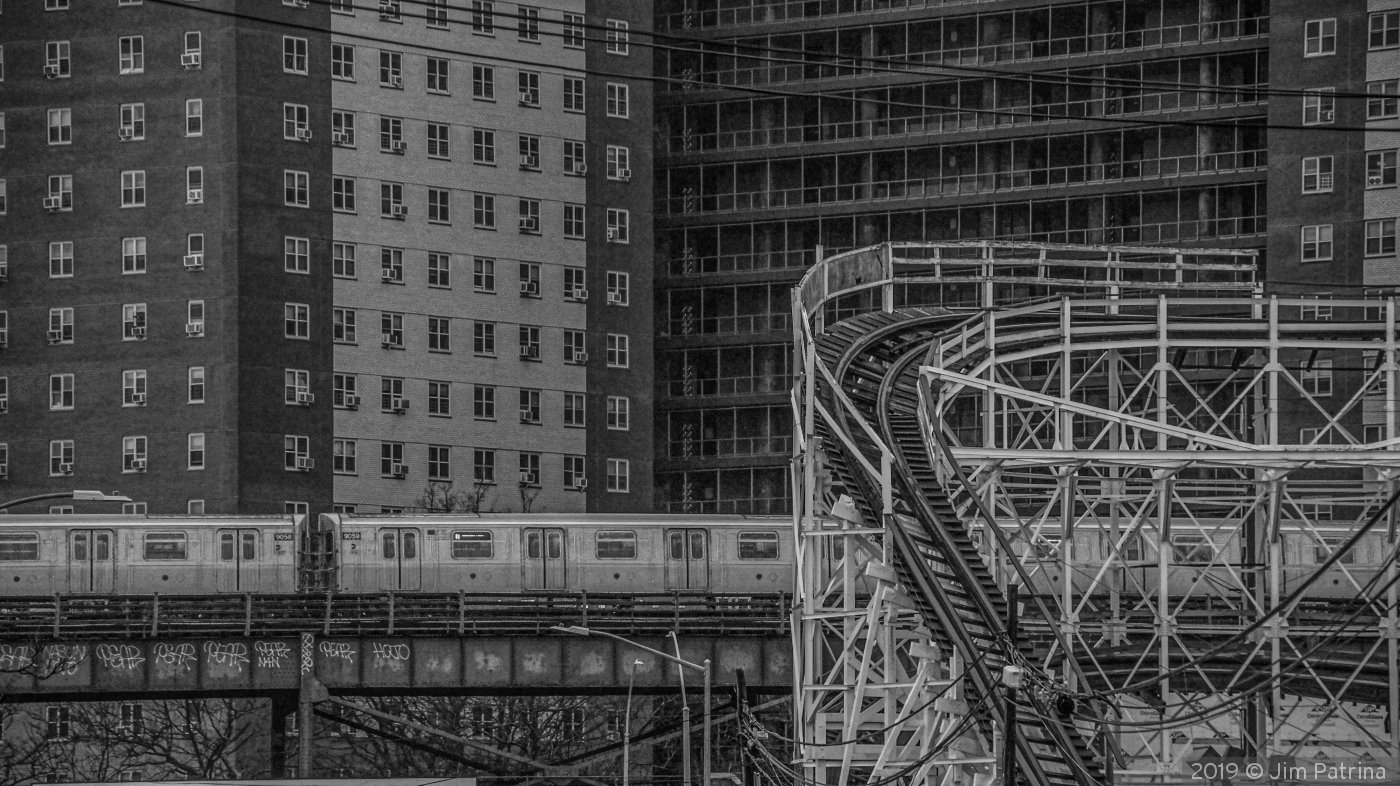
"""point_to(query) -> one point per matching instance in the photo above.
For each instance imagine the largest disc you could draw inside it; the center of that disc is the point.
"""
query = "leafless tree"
(442, 497)
(528, 494)
(26, 752)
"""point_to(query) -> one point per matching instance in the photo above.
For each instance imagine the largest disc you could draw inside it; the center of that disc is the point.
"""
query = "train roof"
(564, 519)
(66, 521)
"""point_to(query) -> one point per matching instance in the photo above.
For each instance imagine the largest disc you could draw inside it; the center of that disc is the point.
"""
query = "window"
(194, 248)
(195, 446)
(758, 545)
(55, 5)
(343, 387)
(529, 88)
(616, 37)
(483, 146)
(483, 274)
(58, 60)
(344, 325)
(617, 350)
(391, 265)
(574, 158)
(573, 222)
(61, 457)
(133, 255)
(391, 330)
(527, 23)
(472, 544)
(296, 452)
(529, 406)
(61, 391)
(343, 260)
(194, 328)
(440, 399)
(617, 100)
(619, 222)
(574, 351)
(575, 473)
(483, 402)
(61, 259)
(195, 379)
(1315, 312)
(1317, 174)
(1317, 242)
(343, 456)
(484, 211)
(133, 321)
(194, 185)
(484, 466)
(296, 122)
(573, 94)
(437, 140)
(1192, 548)
(2, 130)
(574, 409)
(343, 194)
(133, 122)
(1385, 30)
(573, 31)
(619, 163)
(1382, 104)
(61, 192)
(133, 188)
(391, 201)
(298, 188)
(343, 62)
(1316, 379)
(618, 288)
(529, 152)
(574, 286)
(1320, 37)
(439, 270)
(1380, 237)
(391, 11)
(1319, 107)
(294, 55)
(530, 216)
(60, 126)
(61, 325)
(484, 338)
(483, 17)
(529, 342)
(618, 410)
(296, 386)
(195, 507)
(391, 135)
(56, 722)
(296, 255)
(439, 334)
(16, 546)
(1380, 169)
(390, 69)
(133, 454)
(193, 46)
(439, 462)
(483, 82)
(343, 128)
(297, 320)
(529, 469)
(437, 16)
(1324, 550)
(618, 470)
(4, 201)
(194, 117)
(391, 460)
(439, 206)
(133, 55)
(616, 544)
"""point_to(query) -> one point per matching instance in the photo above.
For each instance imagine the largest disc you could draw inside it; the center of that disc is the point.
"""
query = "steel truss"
(1136, 443)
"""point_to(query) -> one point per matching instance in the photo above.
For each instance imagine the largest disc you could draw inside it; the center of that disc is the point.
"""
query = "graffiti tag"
(338, 649)
(233, 654)
(272, 653)
(64, 658)
(15, 658)
(181, 656)
(120, 656)
(307, 655)
(391, 651)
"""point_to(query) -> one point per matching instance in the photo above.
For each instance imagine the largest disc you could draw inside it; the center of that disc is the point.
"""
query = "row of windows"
(614, 544)
(131, 123)
(345, 264)
(1317, 171)
(134, 455)
(393, 399)
(62, 389)
(1316, 240)
(1320, 35)
(482, 19)
(392, 464)
(133, 190)
(392, 336)
(134, 323)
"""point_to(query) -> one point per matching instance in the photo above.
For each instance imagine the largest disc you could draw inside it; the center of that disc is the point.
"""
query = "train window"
(19, 546)
(410, 545)
(1323, 550)
(166, 545)
(676, 542)
(1129, 549)
(250, 546)
(388, 541)
(532, 544)
(1192, 549)
(758, 545)
(697, 545)
(226, 546)
(1046, 549)
(617, 544)
(80, 547)
(472, 544)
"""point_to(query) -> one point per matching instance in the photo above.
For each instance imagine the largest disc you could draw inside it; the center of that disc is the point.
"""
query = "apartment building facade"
(403, 266)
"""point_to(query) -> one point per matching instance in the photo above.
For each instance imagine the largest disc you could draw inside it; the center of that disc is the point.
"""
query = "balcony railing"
(1156, 233)
(716, 387)
(972, 184)
(687, 265)
(736, 446)
(742, 323)
(762, 11)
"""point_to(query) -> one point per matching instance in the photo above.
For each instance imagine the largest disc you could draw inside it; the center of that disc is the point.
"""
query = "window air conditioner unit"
(612, 235)
(65, 468)
(51, 70)
(191, 60)
(4, 273)
(624, 174)
(55, 336)
(387, 339)
(4, 471)
(139, 331)
(304, 463)
(388, 274)
(138, 465)
(527, 98)
(53, 203)
(305, 399)
(580, 294)
(1373, 180)
(529, 352)
(396, 80)
(352, 402)
(194, 261)
(528, 225)
(529, 287)
(304, 134)
(126, 132)
(530, 162)
(398, 146)
(1326, 116)
(399, 405)
(614, 298)
(526, 416)
(399, 470)
(580, 357)
(138, 398)
(527, 478)
(4, 404)
(196, 196)
(580, 483)
(400, 212)
(340, 138)
(193, 329)
(580, 169)
(301, 3)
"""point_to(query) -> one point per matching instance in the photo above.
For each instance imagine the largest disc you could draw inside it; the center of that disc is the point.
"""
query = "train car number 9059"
(350, 535)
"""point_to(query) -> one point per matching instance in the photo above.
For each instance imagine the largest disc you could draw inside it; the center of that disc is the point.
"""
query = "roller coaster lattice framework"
(1187, 480)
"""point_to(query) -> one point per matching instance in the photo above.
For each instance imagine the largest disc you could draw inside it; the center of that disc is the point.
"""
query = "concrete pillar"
(1209, 12)
(1209, 77)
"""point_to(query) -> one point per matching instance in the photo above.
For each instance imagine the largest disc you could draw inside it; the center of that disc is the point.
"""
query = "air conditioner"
(4, 273)
(1373, 180)
(1326, 117)
(388, 274)
(398, 470)
(194, 261)
(526, 416)
(614, 298)
(4, 405)
(191, 60)
(612, 235)
(138, 465)
(55, 336)
(527, 98)
(529, 225)
(196, 196)
(580, 357)
(400, 212)
(53, 203)
(529, 352)
(306, 399)
(352, 402)
(304, 463)
(65, 468)
(388, 340)
(398, 147)
(138, 398)
(530, 162)
(4, 471)
(580, 169)
(301, 3)
(387, 16)
(304, 134)
(51, 70)
(580, 294)
(624, 174)
(396, 81)
(194, 329)
(126, 132)
(340, 138)
(580, 483)
(399, 405)
(529, 287)
(138, 331)
(527, 478)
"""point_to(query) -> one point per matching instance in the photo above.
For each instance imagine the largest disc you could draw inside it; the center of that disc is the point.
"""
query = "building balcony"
(724, 448)
(721, 387)
(738, 324)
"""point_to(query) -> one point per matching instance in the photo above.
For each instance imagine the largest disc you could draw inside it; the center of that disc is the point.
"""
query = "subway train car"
(588, 552)
(131, 555)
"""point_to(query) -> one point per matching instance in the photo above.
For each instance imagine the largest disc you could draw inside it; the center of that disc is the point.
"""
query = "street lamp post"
(627, 726)
(703, 666)
(685, 715)
(82, 496)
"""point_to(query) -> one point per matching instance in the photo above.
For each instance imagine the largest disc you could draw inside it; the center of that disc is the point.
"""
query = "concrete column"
(1209, 13)
(1208, 72)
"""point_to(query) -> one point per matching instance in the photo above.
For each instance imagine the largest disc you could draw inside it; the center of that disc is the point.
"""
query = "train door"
(546, 559)
(90, 567)
(687, 559)
(399, 558)
(240, 561)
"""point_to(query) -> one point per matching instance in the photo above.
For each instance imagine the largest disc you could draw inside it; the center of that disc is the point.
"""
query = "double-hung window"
(294, 57)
